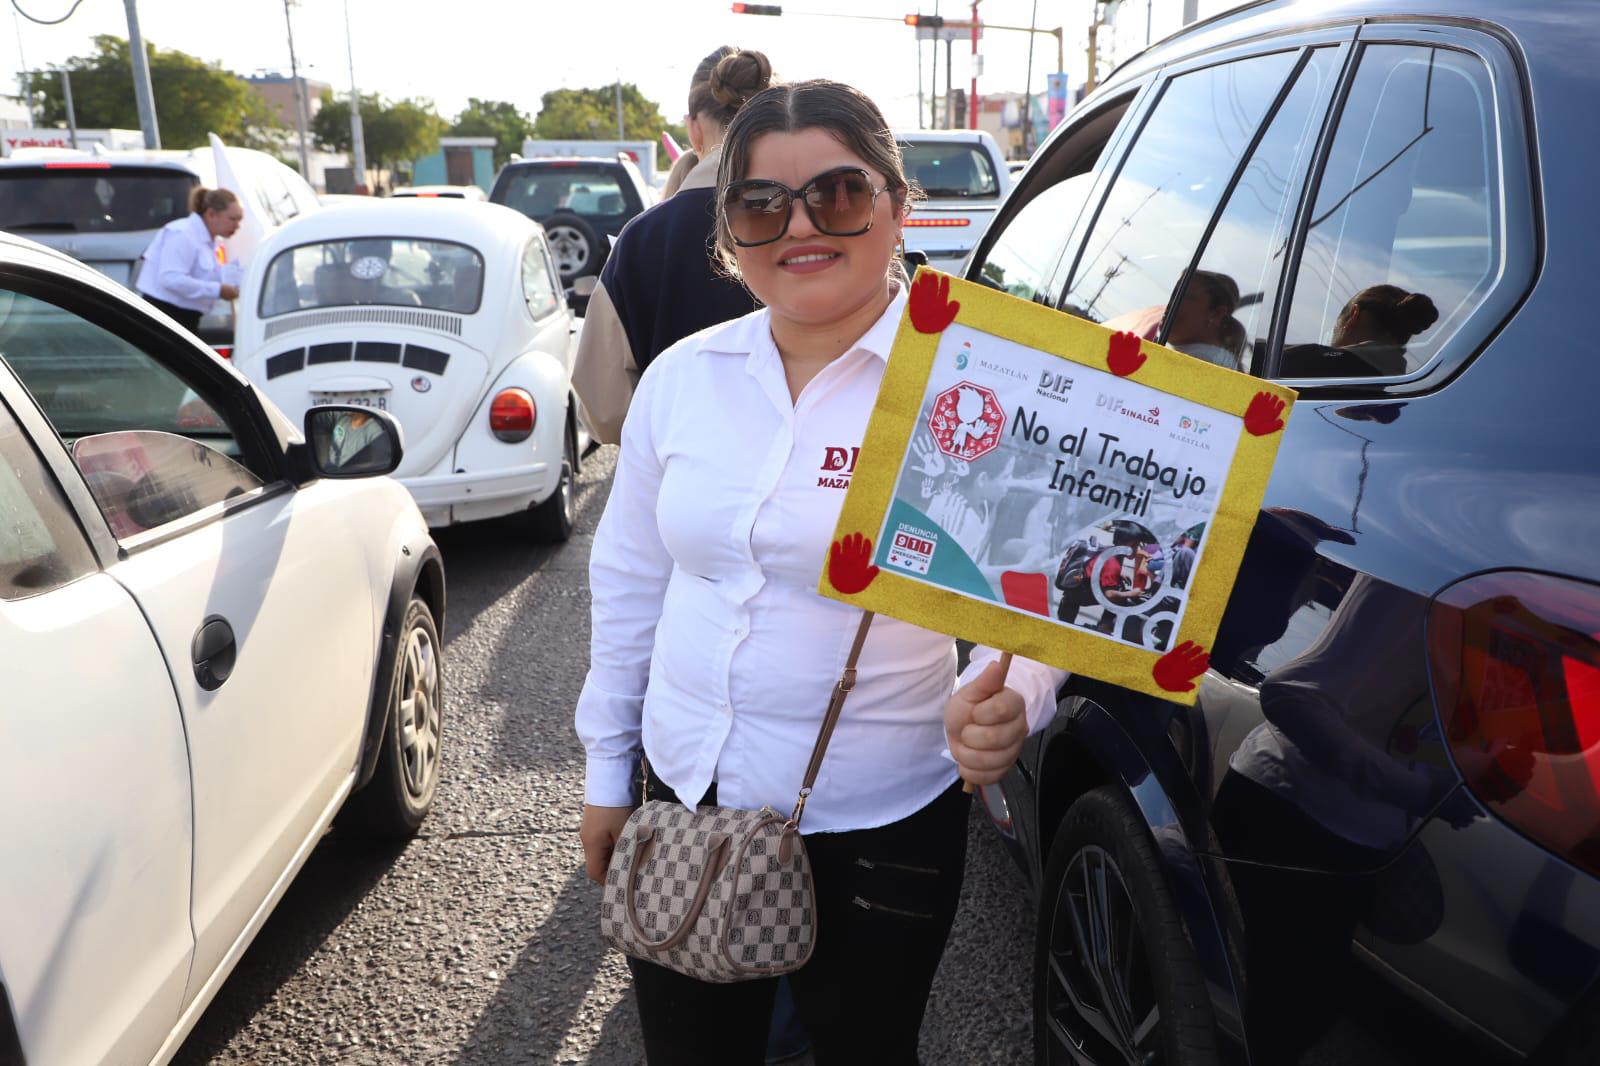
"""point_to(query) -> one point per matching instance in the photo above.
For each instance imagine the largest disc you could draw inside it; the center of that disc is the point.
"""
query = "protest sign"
(1038, 483)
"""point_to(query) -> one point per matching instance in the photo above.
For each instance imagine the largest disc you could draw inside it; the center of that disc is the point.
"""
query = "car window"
(41, 547)
(1224, 314)
(1403, 242)
(91, 198)
(1168, 187)
(398, 271)
(1023, 256)
(947, 169)
(538, 282)
(143, 479)
(541, 191)
(107, 399)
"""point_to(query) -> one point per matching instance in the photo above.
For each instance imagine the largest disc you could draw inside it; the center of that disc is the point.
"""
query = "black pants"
(189, 320)
(886, 899)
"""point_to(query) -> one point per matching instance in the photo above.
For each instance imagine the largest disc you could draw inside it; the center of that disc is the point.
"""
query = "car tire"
(1115, 977)
(552, 521)
(574, 245)
(397, 799)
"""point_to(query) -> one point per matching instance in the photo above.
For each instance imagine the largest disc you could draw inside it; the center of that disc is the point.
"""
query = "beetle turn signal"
(511, 415)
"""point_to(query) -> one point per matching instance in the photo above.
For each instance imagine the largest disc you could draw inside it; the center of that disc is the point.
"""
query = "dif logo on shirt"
(837, 466)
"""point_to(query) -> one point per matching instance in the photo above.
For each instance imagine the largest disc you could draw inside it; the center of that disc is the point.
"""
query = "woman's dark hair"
(1399, 313)
(203, 199)
(846, 113)
(724, 80)
(1222, 292)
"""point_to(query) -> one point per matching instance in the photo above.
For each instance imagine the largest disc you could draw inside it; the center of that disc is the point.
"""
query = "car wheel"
(574, 245)
(397, 799)
(1115, 978)
(551, 521)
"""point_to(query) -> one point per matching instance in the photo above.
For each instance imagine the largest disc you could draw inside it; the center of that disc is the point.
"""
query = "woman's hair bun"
(738, 77)
(1416, 312)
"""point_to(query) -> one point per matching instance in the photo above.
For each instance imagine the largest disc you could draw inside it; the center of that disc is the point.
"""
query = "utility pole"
(972, 96)
(620, 134)
(358, 139)
(143, 95)
(72, 116)
(299, 94)
(933, 79)
(918, 39)
(1027, 88)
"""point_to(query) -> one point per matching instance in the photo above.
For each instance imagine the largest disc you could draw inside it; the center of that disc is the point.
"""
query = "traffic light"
(758, 9)
(926, 22)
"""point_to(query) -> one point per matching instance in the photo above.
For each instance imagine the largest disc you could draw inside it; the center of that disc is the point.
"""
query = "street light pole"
(972, 96)
(358, 139)
(143, 95)
(299, 95)
(72, 116)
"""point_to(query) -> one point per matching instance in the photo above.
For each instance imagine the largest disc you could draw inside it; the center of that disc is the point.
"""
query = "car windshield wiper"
(66, 227)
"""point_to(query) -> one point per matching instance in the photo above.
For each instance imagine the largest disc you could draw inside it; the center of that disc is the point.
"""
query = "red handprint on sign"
(931, 307)
(850, 566)
(1176, 670)
(1123, 354)
(1264, 415)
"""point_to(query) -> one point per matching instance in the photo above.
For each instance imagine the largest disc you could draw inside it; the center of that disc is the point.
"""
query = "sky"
(517, 50)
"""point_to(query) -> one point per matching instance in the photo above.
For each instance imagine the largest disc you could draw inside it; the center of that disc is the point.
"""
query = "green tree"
(494, 118)
(395, 131)
(591, 115)
(193, 97)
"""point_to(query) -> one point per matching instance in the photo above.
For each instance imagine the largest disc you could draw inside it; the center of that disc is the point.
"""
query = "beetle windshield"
(394, 271)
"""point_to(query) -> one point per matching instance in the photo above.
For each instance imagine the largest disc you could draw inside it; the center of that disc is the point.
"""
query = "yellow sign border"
(894, 418)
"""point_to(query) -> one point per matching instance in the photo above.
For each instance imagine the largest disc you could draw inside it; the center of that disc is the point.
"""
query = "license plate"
(374, 399)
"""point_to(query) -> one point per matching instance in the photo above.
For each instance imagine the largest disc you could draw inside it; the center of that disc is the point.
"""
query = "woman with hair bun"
(1378, 323)
(181, 274)
(660, 284)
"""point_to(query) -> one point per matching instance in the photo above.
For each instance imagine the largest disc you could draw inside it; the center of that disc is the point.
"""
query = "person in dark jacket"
(661, 283)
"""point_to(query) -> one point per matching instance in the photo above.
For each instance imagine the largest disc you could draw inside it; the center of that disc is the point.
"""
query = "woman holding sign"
(712, 653)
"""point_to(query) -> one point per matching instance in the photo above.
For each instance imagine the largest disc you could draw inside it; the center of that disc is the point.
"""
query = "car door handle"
(214, 651)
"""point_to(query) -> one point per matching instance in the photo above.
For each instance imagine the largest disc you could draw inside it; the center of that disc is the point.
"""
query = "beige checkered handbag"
(718, 893)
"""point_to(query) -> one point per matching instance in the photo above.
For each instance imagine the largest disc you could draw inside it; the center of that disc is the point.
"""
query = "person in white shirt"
(713, 654)
(181, 274)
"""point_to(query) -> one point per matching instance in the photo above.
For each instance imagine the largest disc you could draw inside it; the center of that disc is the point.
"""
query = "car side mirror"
(350, 442)
(579, 291)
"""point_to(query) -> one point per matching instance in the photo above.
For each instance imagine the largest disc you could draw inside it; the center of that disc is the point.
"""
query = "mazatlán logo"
(961, 360)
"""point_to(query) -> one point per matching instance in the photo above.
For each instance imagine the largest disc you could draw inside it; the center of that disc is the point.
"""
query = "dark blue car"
(1376, 837)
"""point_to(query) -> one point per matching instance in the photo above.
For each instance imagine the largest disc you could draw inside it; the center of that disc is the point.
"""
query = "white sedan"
(448, 315)
(216, 632)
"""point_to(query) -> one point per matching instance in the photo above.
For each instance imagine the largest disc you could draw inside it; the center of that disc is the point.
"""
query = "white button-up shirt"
(711, 646)
(181, 267)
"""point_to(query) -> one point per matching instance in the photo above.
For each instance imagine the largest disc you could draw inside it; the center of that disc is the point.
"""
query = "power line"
(48, 22)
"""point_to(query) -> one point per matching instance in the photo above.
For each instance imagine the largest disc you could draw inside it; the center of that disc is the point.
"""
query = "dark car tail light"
(1516, 674)
(224, 351)
(512, 414)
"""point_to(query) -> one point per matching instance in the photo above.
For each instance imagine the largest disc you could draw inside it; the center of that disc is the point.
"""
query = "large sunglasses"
(840, 202)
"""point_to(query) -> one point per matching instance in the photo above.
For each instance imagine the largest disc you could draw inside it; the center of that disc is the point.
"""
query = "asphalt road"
(476, 942)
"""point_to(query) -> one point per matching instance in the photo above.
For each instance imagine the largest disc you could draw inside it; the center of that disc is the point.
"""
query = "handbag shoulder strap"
(846, 682)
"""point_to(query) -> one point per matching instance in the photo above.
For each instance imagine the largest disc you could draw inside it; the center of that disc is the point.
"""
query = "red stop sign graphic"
(966, 421)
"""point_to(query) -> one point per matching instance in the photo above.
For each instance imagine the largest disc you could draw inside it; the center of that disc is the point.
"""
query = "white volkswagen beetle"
(446, 314)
